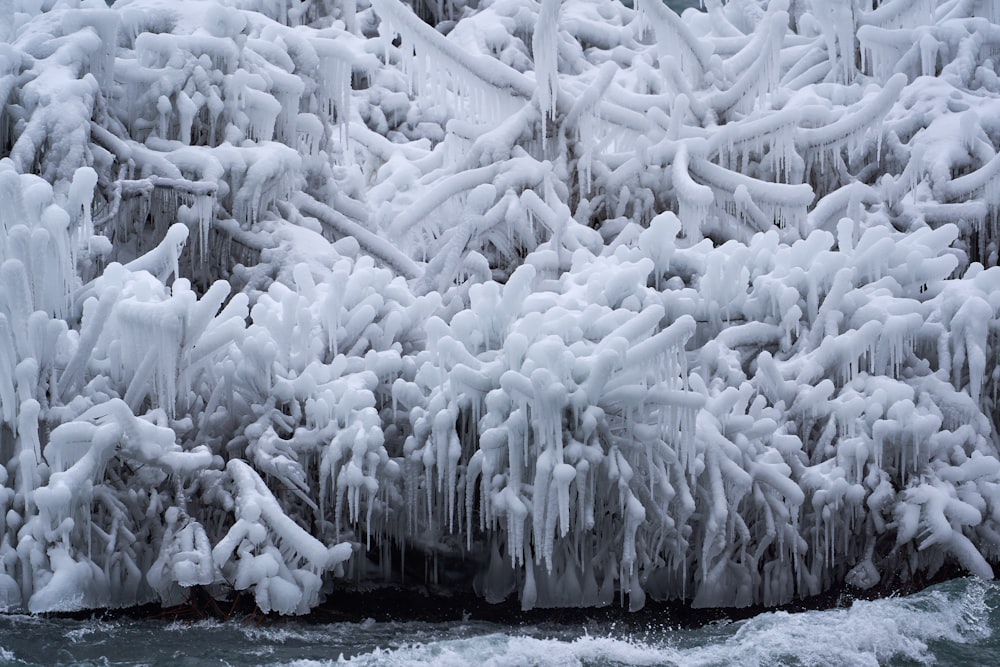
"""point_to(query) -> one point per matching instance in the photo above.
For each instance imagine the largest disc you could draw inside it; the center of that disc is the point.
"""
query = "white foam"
(867, 633)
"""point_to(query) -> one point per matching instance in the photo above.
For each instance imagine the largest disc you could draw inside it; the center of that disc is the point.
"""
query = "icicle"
(545, 48)
(694, 199)
(675, 39)
(204, 203)
(335, 88)
(186, 112)
(80, 198)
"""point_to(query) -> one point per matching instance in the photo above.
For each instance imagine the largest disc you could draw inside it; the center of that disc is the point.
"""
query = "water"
(680, 5)
(955, 623)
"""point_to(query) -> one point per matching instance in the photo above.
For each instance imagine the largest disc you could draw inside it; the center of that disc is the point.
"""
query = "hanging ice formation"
(614, 304)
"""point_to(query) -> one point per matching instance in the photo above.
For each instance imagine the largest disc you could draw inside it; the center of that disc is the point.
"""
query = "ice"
(481, 84)
(277, 581)
(545, 48)
(694, 198)
(608, 305)
(672, 33)
(753, 79)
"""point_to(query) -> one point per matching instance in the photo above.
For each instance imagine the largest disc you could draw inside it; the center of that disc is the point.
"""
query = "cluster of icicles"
(610, 303)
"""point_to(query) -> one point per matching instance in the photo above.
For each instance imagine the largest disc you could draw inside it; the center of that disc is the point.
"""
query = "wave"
(911, 629)
(952, 623)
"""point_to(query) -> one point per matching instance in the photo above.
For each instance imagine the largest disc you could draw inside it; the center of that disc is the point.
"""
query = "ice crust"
(610, 303)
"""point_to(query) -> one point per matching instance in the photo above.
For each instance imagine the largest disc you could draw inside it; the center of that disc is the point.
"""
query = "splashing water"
(955, 623)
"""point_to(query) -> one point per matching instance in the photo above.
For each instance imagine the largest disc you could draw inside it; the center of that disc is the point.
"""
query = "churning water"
(955, 623)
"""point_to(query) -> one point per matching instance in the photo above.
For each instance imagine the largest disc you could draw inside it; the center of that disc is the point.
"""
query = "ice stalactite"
(693, 198)
(261, 110)
(334, 84)
(545, 48)
(837, 23)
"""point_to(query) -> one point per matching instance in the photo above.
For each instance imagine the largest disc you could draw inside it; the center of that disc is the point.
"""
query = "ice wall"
(609, 302)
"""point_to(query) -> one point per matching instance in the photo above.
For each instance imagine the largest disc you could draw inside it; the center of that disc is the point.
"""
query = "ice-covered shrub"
(611, 302)
(551, 418)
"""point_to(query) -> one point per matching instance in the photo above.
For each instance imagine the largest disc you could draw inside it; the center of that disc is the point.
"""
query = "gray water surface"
(955, 623)
(680, 5)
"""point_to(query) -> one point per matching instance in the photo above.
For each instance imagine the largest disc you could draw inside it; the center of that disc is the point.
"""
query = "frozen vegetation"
(606, 303)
